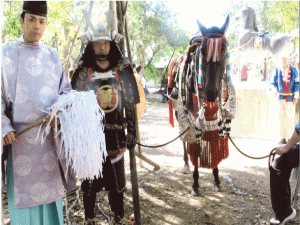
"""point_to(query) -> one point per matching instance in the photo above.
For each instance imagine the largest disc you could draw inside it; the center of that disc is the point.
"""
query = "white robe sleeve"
(6, 125)
(64, 86)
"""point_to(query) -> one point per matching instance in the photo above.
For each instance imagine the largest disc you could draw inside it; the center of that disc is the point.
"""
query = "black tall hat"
(35, 7)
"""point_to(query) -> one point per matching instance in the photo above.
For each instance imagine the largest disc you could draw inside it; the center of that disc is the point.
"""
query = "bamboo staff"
(37, 123)
(33, 125)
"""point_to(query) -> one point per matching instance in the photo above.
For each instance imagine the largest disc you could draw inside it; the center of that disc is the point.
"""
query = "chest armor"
(106, 87)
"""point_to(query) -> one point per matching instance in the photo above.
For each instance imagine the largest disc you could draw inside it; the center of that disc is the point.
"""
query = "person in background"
(244, 73)
(164, 96)
(286, 85)
(280, 172)
(143, 79)
(32, 78)
(140, 107)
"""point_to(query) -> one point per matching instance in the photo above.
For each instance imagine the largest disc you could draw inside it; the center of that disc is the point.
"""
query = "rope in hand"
(271, 157)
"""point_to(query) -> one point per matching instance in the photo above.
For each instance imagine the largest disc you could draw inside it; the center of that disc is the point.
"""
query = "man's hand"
(52, 123)
(281, 150)
(129, 139)
(295, 101)
(10, 138)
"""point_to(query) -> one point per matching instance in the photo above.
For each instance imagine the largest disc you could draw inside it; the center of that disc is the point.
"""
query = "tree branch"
(152, 57)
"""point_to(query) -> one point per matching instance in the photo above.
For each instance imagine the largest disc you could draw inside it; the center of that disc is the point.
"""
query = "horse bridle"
(210, 55)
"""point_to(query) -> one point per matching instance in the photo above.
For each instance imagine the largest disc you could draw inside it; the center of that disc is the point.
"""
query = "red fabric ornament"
(212, 149)
(89, 74)
(114, 96)
(286, 82)
(171, 117)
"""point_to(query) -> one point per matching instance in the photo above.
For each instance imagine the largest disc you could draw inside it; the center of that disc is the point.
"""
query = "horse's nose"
(211, 93)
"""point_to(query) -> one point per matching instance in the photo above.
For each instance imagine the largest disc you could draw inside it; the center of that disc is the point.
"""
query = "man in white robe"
(32, 78)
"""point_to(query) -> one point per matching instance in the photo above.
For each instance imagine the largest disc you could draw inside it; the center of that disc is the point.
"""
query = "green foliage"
(11, 27)
(233, 39)
(280, 16)
(151, 72)
(154, 32)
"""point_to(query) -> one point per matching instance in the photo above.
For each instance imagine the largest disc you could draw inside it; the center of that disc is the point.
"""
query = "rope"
(157, 146)
(272, 154)
(251, 157)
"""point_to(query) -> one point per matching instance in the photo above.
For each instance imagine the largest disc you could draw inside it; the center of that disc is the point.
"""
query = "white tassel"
(82, 132)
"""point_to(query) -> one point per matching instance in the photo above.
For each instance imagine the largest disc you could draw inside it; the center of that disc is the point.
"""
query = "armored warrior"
(103, 69)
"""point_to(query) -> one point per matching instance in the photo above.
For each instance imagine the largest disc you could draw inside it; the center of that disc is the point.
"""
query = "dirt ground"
(165, 197)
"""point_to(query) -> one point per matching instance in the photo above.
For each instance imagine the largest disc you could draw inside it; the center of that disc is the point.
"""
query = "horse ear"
(225, 25)
(202, 28)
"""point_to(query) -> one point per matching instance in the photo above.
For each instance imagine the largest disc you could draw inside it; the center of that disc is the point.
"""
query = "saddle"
(259, 39)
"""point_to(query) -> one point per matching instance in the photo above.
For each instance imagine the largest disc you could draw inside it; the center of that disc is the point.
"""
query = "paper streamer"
(82, 132)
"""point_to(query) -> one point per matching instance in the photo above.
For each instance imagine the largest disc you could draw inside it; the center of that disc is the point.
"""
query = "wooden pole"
(113, 7)
(134, 184)
(135, 187)
(138, 136)
(91, 3)
(133, 171)
(141, 156)
(127, 40)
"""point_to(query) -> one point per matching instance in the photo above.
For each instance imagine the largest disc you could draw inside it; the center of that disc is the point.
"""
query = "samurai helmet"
(102, 31)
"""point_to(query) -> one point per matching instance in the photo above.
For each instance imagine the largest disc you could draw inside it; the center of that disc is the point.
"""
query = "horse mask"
(213, 58)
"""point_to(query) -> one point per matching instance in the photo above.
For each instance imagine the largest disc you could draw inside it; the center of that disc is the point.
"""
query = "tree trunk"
(113, 7)
(86, 26)
(143, 56)
(121, 18)
(127, 41)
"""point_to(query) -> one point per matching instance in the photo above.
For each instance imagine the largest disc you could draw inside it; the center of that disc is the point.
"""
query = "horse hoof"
(217, 187)
(195, 192)
(186, 169)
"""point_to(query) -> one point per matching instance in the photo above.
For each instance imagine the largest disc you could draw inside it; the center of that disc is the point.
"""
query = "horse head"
(213, 60)
(247, 14)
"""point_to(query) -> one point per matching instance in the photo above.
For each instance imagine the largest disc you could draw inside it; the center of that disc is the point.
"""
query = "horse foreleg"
(195, 188)
(217, 181)
(186, 168)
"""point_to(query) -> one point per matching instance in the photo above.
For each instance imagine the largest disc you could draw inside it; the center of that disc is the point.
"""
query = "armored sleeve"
(128, 102)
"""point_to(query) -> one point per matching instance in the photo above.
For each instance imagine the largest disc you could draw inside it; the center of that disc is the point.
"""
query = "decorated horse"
(251, 38)
(203, 98)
